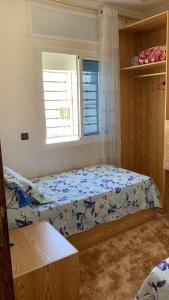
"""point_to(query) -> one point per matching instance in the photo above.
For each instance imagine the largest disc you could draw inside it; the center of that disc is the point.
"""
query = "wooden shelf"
(150, 75)
(145, 67)
(149, 24)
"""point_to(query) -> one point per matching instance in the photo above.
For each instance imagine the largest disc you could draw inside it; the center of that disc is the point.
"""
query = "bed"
(79, 200)
(156, 285)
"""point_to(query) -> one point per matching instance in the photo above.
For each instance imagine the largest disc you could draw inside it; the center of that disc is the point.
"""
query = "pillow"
(19, 183)
(16, 196)
(20, 212)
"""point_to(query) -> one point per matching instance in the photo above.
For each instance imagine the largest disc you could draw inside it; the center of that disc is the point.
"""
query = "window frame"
(83, 140)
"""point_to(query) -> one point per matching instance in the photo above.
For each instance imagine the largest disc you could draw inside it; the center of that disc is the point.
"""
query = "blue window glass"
(90, 78)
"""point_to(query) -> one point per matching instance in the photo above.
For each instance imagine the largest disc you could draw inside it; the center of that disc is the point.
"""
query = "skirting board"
(105, 231)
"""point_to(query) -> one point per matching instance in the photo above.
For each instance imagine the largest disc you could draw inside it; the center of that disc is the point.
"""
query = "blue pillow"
(22, 199)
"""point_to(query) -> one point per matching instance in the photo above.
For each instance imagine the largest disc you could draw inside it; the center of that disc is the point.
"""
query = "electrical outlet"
(24, 136)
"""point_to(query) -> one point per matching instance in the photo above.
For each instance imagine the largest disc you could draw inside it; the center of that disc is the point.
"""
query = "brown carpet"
(115, 269)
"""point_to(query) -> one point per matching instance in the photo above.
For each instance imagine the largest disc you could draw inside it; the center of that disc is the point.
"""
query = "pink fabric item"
(153, 54)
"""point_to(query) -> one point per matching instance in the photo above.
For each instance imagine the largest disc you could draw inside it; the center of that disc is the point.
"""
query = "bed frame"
(105, 231)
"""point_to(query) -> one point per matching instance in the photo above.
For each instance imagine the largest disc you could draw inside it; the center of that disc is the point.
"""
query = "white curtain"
(109, 87)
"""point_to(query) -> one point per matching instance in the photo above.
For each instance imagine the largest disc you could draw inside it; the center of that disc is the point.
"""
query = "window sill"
(85, 140)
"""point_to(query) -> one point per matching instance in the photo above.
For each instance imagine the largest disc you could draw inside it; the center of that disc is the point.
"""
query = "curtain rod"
(85, 7)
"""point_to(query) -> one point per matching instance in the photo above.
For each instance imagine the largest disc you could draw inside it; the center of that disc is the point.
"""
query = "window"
(60, 97)
(61, 102)
(90, 97)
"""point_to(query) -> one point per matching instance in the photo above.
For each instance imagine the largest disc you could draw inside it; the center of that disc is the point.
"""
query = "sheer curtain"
(109, 87)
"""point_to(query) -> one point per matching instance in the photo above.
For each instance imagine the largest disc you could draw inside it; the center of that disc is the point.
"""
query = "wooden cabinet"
(145, 102)
(45, 265)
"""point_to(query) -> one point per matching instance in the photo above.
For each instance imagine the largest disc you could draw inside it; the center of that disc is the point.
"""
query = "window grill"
(59, 105)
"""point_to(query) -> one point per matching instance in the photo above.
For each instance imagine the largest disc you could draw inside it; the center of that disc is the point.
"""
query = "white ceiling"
(142, 6)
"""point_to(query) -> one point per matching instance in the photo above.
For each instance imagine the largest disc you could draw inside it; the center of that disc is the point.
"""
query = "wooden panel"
(45, 265)
(151, 119)
(142, 123)
(105, 231)
(167, 69)
(6, 281)
(166, 192)
(126, 52)
(130, 158)
(148, 24)
(166, 146)
(59, 280)
(42, 244)
(154, 38)
(166, 142)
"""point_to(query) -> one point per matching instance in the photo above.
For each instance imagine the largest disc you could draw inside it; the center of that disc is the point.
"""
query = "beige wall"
(20, 98)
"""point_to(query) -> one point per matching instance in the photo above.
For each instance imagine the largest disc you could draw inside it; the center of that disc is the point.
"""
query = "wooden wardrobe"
(145, 103)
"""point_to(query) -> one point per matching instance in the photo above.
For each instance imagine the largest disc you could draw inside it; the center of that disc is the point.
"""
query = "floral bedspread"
(156, 286)
(86, 197)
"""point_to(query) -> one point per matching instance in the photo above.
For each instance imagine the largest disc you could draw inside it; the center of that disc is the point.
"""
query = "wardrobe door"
(6, 280)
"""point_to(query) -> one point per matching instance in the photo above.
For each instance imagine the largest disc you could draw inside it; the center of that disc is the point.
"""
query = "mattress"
(156, 285)
(84, 198)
